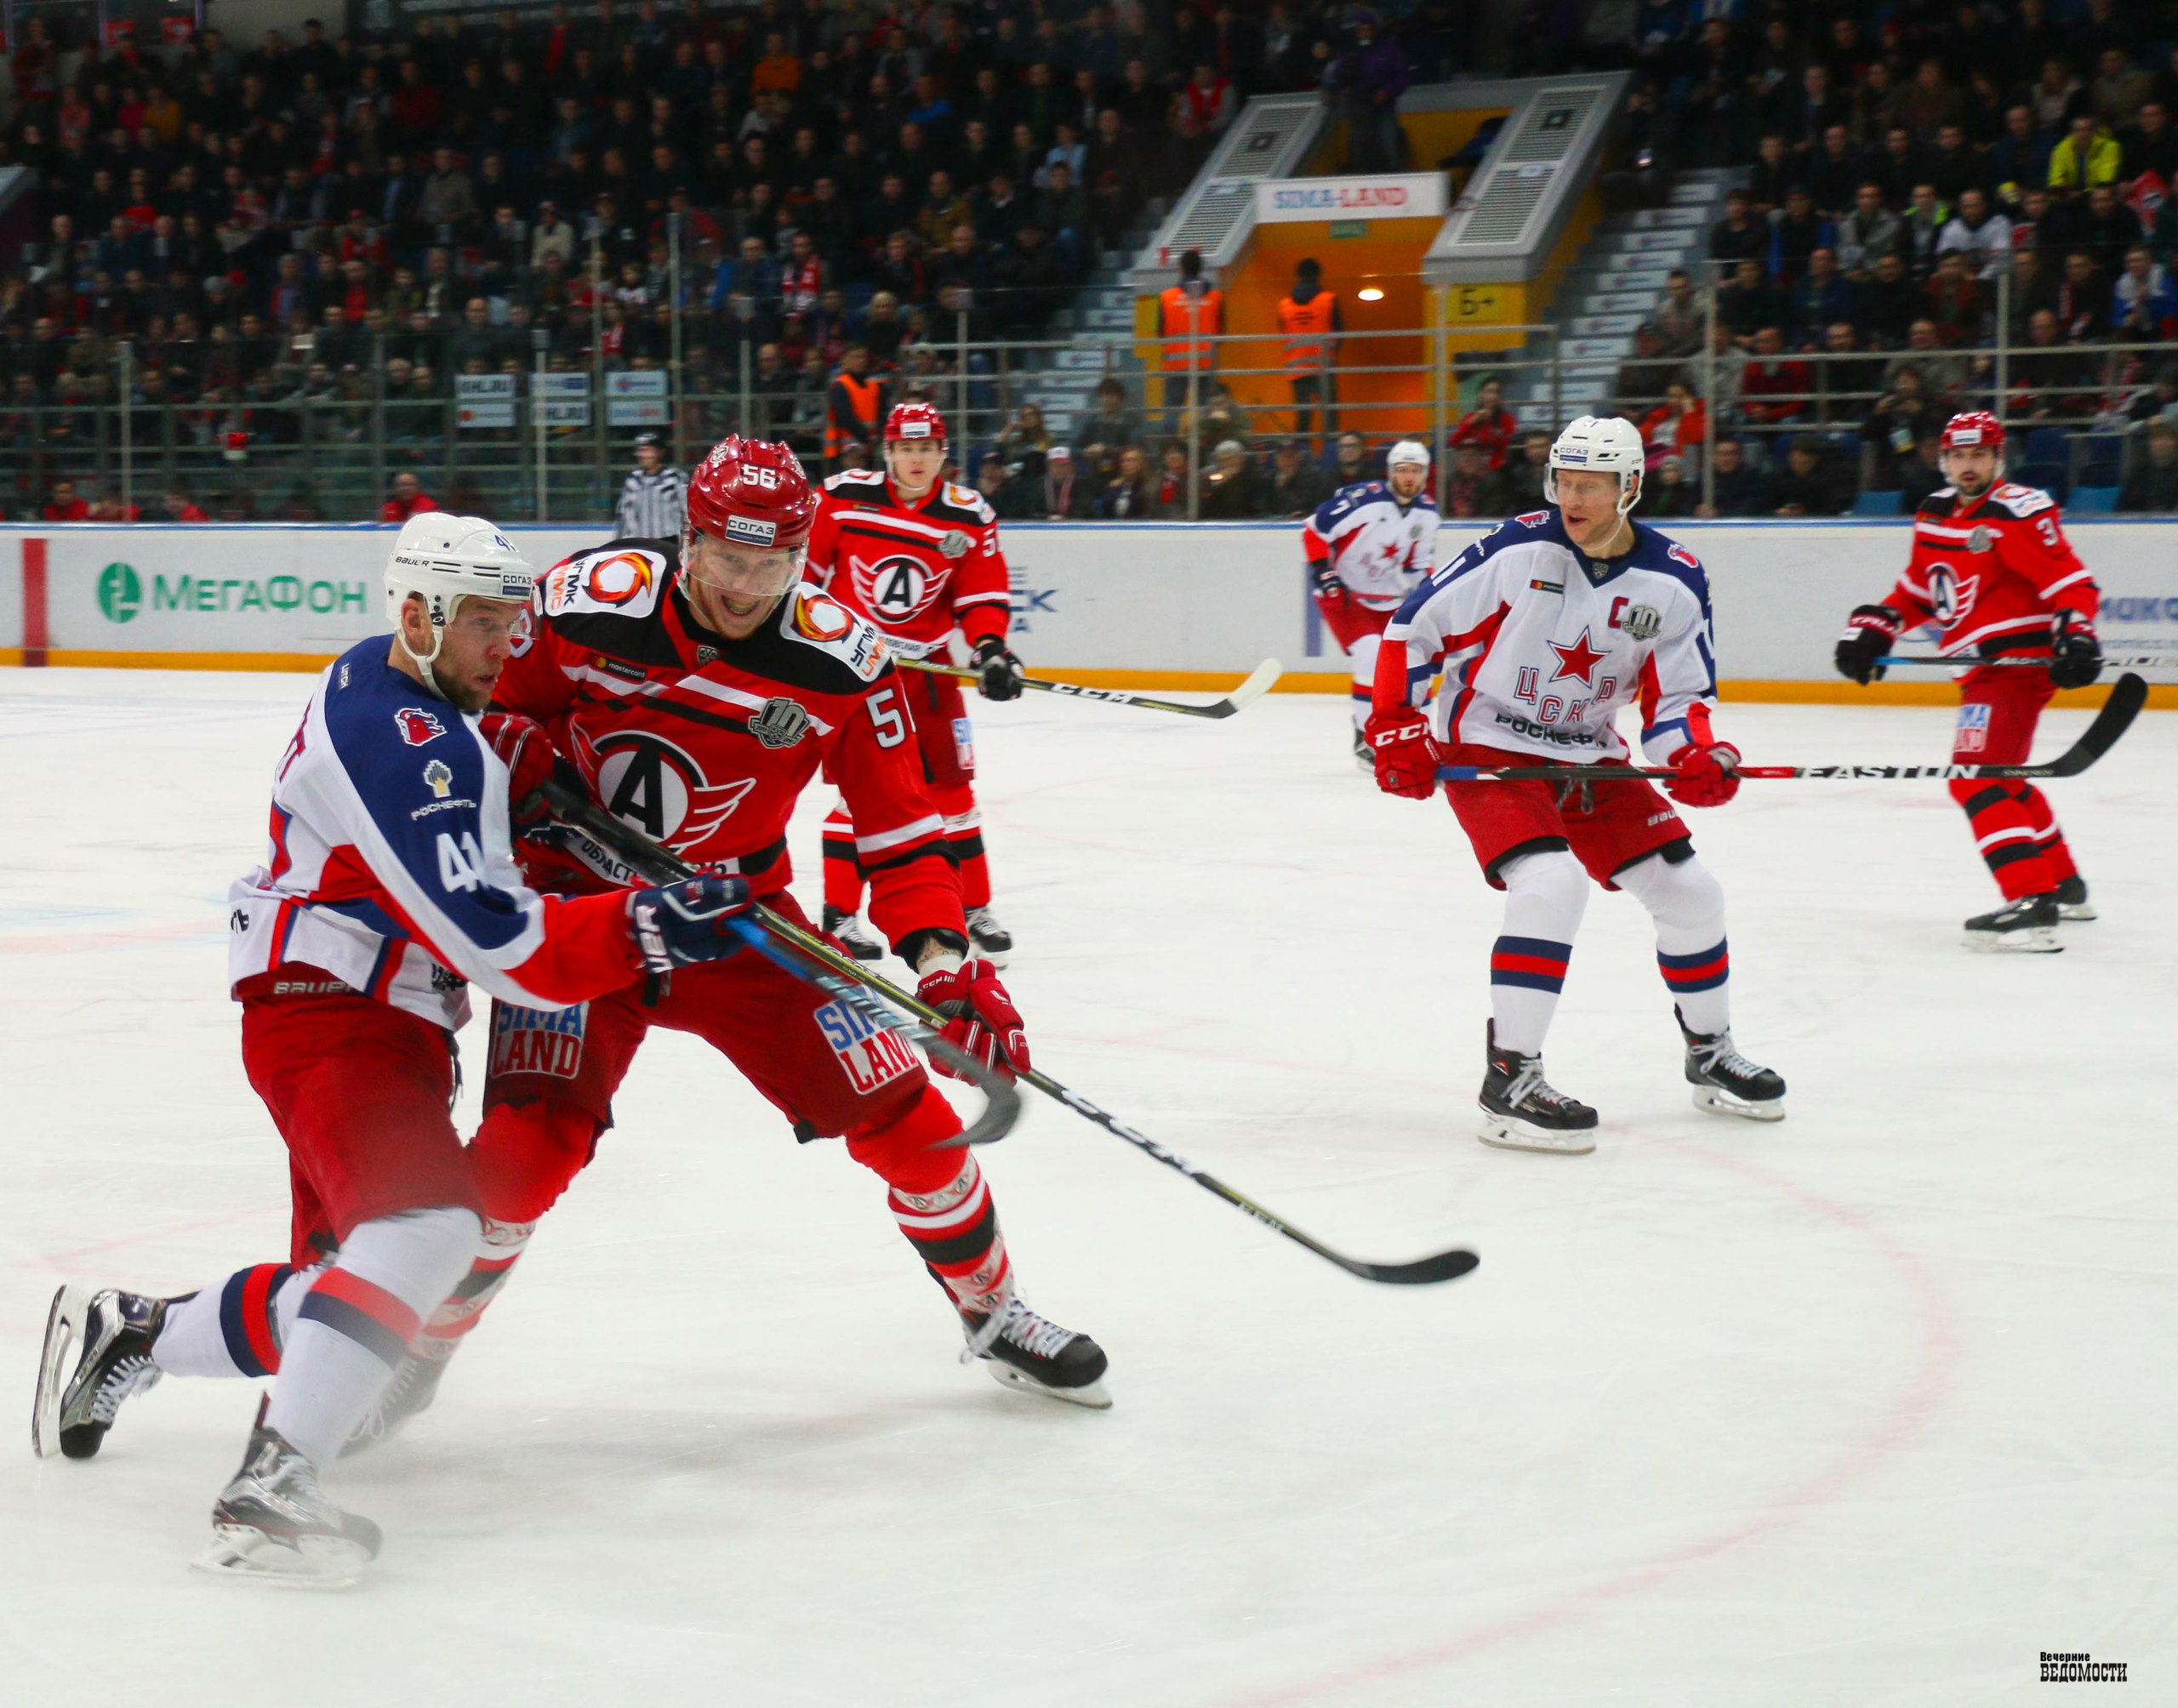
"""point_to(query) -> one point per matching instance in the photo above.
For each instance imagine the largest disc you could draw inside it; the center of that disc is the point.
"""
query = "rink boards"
(1143, 605)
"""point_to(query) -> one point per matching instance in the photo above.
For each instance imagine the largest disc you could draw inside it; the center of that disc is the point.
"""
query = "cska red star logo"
(1580, 659)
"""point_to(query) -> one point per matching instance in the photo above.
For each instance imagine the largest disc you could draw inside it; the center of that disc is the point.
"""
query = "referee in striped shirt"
(655, 499)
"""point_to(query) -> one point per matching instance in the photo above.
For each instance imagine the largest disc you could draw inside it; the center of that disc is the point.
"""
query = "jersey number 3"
(461, 864)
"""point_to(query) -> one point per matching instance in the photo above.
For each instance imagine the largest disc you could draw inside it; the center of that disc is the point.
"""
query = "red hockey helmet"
(752, 492)
(915, 420)
(1974, 427)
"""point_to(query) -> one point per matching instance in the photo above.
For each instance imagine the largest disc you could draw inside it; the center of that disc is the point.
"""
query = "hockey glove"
(1870, 632)
(1331, 592)
(1707, 774)
(1001, 670)
(2076, 656)
(684, 924)
(1406, 757)
(980, 1018)
(527, 751)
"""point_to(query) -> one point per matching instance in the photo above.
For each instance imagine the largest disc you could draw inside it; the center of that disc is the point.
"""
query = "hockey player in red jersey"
(698, 685)
(920, 557)
(1992, 569)
(389, 885)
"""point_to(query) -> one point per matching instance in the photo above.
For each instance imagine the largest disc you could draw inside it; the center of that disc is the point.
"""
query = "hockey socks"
(353, 1327)
(1363, 652)
(2016, 835)
(845, 870)
(1687, 904)
(1546, 894)
(235, 1329)
(842, 866)
(955, 1231)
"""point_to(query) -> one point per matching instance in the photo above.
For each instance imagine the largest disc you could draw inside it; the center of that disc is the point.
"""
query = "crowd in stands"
(296, 219)
(1950, 207)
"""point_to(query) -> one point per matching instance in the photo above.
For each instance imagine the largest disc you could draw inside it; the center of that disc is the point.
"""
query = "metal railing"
(266, 432)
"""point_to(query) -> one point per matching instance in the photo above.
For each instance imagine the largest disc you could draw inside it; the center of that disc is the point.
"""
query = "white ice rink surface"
(1870, 1408)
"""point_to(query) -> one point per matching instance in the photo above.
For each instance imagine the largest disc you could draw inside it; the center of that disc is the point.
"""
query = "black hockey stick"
(2128, 694)
(2122, 661)
(1257, 685)
(1001, 1102)
(647, 857)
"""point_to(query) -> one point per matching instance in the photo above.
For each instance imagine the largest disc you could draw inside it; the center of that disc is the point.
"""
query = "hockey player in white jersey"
(1367, 545)
(1541, 632)
(389, 884)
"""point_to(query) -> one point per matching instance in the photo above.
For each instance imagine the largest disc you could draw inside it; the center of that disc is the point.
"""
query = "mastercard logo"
(821, 619)
(620, 577)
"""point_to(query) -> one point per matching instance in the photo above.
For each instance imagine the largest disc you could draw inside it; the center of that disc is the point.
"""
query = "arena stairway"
(1099, 322)
(1614, 284)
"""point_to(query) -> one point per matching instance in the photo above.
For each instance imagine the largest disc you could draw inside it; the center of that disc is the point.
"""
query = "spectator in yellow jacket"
(2088, 156)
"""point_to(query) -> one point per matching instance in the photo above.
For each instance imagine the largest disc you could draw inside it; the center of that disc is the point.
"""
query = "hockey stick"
(1257, 685)
(2123, 661)
(1001, 1102)
(647, 857)
(2128, 694)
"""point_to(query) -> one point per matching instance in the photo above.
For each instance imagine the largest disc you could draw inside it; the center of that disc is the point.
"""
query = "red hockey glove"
(1407, 758)
(1707, 774)
(981, 1019)
(523, 743)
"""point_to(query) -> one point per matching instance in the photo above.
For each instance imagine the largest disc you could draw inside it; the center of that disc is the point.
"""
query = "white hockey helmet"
(1407, 450)
(444, 559)
(1604, 445)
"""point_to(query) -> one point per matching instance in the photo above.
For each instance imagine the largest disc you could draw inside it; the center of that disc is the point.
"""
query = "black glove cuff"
(912, 947)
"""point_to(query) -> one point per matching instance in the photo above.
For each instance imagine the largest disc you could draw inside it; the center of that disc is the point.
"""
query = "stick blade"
(2128, 694)
(1446, 1266)
(1258, 684)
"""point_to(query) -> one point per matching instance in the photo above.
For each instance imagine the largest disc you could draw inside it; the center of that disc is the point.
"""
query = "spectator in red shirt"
(181, 508)
(1489, 425)
(408, 497)
(1768, 377)
(64, 506)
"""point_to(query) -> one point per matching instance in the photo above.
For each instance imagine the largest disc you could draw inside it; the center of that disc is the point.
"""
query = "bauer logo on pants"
(871, 1058)
(538, 1040)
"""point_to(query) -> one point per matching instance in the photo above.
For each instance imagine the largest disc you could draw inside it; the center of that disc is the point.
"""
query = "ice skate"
(413, 1386)
(273, 1523)
(98, 1352)
(2027, 926)
(1522, 1110)
(1025, 1350)
(850, 931)
(1725, 1083)
(992, 941)
(2072, 900)
(1362, 757)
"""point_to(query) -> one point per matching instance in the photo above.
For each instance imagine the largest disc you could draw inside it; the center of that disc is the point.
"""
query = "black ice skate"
(98, 1352)
(273, 1523)
(992, 941)
(2071, 899)
(848, 929)
(1034, 1354)
(411, 1389)
(1522, 1110)
(2027, 926)
(1725, 1083)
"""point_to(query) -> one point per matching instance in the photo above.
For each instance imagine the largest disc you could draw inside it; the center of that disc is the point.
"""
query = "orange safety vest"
(1188, 323)
(863, 396)
(1305, 325)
